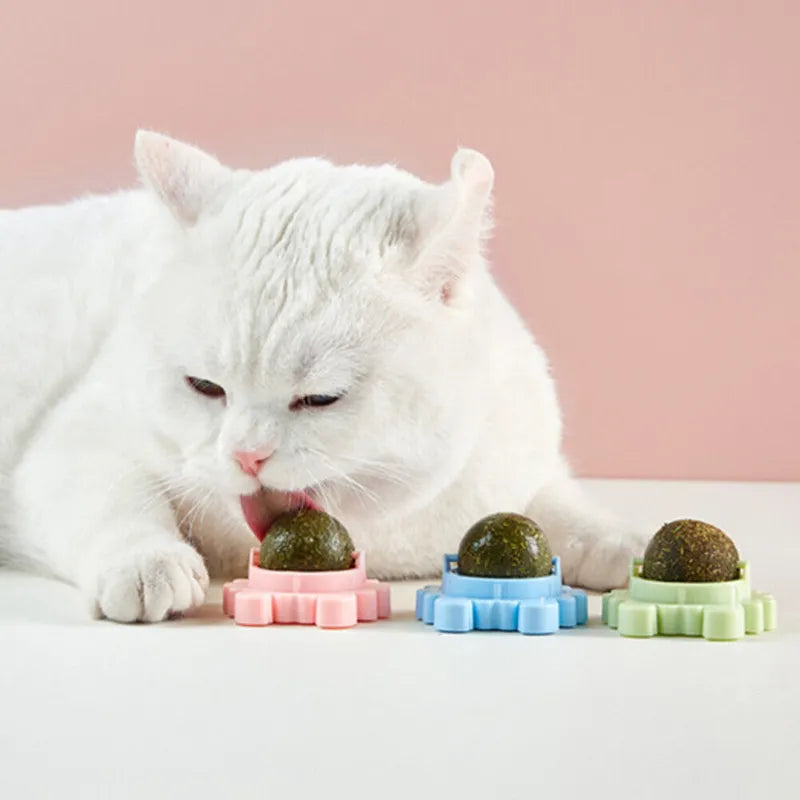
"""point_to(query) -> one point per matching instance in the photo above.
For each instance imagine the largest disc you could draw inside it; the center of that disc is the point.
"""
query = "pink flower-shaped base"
(337, 599)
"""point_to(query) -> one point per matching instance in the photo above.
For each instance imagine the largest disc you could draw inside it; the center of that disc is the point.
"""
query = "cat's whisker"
(378, 467)
(382, 469)
(150, 497)
(198, 501)
(197, 513)
(172, 491)
(367, 467)
(374, 463)
(119, 479)
(361, 491)
(320, 489)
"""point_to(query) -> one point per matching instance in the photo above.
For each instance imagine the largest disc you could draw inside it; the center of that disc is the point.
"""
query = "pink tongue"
(261, 509)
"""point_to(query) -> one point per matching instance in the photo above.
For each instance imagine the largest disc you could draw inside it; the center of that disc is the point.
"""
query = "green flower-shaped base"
(721, 611)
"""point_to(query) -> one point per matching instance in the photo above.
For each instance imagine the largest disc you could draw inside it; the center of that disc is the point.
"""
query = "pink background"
(647, 158)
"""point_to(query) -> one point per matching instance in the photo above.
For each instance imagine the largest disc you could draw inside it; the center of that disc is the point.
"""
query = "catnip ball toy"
(505, 546)
(307, 541)
(690, 551)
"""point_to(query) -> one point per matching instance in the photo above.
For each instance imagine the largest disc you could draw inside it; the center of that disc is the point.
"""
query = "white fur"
(306, 278)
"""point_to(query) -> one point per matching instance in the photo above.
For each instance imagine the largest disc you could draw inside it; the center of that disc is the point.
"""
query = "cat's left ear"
(458, 221)
(184, 177)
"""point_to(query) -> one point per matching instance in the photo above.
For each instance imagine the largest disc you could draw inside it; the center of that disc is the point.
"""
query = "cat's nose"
(251, 461)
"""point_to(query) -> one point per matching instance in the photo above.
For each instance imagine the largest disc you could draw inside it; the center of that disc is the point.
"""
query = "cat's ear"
(184, 177)
(454, 226)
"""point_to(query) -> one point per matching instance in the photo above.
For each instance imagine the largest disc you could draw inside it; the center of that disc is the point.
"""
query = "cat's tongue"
(261, 509)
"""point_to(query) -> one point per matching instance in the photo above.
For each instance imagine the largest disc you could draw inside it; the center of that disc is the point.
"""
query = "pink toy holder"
(336, 599)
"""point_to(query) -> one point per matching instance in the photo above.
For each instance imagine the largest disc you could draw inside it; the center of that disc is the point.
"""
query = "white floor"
(201, 708)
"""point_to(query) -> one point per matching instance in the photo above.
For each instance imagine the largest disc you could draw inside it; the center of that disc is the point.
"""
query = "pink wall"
(647, 158)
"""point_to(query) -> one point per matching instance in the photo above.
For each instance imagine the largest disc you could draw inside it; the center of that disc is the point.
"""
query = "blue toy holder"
(463, 603)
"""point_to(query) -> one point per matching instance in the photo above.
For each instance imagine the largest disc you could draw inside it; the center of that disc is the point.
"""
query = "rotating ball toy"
(504, 578)
(306, 572)
(690, 582)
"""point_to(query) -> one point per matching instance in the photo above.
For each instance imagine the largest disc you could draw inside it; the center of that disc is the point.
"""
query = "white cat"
(331, 333)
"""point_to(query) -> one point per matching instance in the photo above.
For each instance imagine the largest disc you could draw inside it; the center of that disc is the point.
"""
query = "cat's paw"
(149, 584)
(601, 564)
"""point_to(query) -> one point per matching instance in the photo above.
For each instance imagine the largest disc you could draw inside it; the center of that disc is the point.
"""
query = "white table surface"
(202, 708)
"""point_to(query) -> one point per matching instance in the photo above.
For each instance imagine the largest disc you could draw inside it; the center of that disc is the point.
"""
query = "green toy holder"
(718, 611)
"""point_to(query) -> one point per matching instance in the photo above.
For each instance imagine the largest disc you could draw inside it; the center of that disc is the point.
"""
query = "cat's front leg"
(152, 577)
(99, 521)
(595, 547)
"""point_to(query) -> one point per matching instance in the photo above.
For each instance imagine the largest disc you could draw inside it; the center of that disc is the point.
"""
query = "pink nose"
(251, 461)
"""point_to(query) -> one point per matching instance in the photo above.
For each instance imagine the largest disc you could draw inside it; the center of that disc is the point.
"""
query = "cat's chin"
(262, 508)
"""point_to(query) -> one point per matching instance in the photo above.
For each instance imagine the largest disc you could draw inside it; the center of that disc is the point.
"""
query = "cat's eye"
(314, 401)
(204, 387)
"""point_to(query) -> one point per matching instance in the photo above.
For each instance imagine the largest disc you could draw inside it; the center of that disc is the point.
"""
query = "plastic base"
(717, 611)
(337, 599)
(528, 605)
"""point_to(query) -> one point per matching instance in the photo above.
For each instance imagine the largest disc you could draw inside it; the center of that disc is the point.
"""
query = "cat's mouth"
(266, 505)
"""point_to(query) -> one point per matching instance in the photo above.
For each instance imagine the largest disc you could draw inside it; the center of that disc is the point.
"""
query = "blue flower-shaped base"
(528, 605)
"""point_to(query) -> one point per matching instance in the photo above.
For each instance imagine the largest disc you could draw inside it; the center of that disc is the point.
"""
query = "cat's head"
(314, 329)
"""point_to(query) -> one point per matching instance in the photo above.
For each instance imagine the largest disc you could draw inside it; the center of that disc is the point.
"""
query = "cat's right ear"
(454, 224)
(184, 177)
